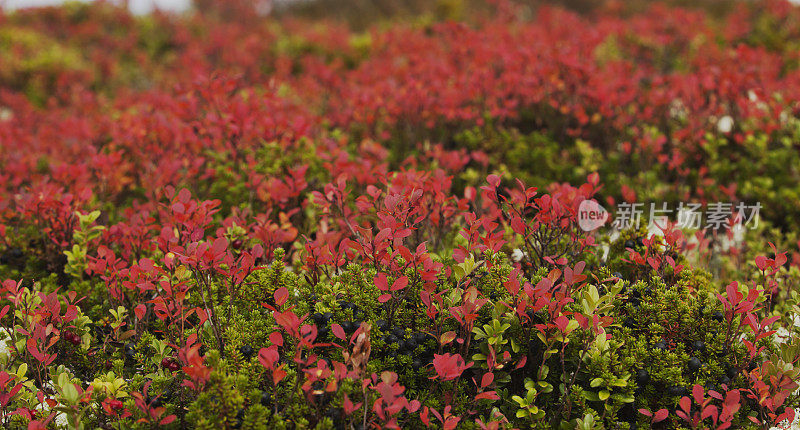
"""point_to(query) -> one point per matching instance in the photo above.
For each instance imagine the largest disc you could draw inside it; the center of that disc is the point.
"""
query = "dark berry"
(399, 332)
(660, 345)
(72, 338)
(724, 380)
(246, 351)
(348, 326)
(130, 350)
(699, 346)
(694, 364)
(156, 403)
(642, 377)
(166, 362)
(677, 390)
(629, 323)
(381, 324)
(617, 275)
(328, 316)
(731, 372)
(237, 244)
(266, 398)
(717, 316)
(318, 318)
(420, 337)
(629, 244)
(390, 339)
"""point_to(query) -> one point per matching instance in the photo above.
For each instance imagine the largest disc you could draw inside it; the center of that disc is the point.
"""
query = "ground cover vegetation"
(230, 220)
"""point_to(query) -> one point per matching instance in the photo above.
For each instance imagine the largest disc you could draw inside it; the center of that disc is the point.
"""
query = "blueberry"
(348, 326)
(660, 345)
(318, 318)
(731, 372)
(381, 324)
(390, 339)
(266, 398)
(399, 332)
(699, 346)
(677, 390)
(246, 351)
(724, 380)
(130, 350)
(694, 364)
(328, 316)
(642, 377)
(640, 241)
(717, 316)
(416, 363)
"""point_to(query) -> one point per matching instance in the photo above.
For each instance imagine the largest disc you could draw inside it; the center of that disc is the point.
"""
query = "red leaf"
(685, 404)
(400, 283)
(276, 338)
(338, 331)
(487, 379)
(139, 311)
(281, 294)
(660, 415)
(491, 395)
(383, 298)
(381, 282)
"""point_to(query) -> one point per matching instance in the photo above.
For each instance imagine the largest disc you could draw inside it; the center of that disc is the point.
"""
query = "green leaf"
(603, 394)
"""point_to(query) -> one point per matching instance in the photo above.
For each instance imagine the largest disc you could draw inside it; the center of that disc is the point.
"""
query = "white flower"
(517, 255)
(725, 124)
